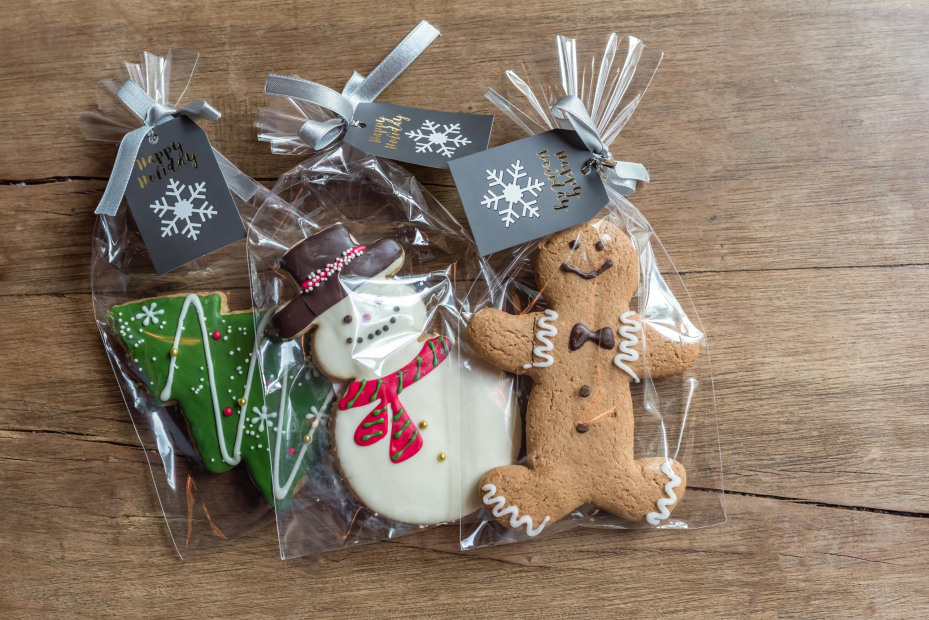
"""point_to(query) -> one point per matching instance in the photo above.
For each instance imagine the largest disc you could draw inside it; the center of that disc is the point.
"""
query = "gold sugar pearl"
(442, 456)
(174, 351)
(307, 439)
(241, 401)
(424, 425)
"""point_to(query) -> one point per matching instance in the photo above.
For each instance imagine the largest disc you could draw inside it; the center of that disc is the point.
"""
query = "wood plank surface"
(787, 143)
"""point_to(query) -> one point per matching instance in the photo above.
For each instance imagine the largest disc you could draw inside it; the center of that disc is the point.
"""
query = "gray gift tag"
(424, 137)
(179, 198)
(528, 189)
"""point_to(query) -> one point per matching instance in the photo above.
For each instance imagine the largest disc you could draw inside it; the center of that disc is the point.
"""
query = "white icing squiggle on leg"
(654, 518)
(499, 511)
(544, 334)
(627, 352)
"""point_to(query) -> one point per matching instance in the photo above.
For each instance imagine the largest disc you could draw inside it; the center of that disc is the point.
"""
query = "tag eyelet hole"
(153, 138)
(359, 124)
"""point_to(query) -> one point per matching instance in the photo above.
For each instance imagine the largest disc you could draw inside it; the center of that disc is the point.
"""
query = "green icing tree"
(190, 351)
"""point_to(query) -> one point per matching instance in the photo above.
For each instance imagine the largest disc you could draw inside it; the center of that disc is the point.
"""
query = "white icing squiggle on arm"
(499, 511)
(544, 334)
(627, 352)
(654, 518)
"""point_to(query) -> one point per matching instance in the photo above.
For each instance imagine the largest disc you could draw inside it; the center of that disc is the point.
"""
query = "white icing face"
(373, 331)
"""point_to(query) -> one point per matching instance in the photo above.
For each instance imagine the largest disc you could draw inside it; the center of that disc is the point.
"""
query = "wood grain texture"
(787, 147)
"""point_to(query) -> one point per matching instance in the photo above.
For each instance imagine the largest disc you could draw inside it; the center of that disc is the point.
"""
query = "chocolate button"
(583, 427)
(584, 392)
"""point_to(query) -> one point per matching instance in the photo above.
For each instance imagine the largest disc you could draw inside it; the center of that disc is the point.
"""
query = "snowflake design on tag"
(447, 138)
(149, 314)
(512, 194)
(183, 209)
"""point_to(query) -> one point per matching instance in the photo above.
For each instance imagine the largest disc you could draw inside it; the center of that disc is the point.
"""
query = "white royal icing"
(498, 510)
(654, 518)
(236, 456)
(469, 417)
(544, 334)
(627, 351)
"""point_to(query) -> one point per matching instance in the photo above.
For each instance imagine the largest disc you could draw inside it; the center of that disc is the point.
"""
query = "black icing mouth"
(587, 275)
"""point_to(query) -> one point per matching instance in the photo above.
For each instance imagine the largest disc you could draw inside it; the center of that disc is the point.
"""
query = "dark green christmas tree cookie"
(192, 351)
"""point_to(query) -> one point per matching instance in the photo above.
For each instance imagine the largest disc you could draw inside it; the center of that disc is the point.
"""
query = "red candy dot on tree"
(291, 451)
(227, 411)
(217, 335)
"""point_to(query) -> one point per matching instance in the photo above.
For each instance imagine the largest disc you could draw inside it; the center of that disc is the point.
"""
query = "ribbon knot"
(621, 176)
(152, 114)
(358, 89)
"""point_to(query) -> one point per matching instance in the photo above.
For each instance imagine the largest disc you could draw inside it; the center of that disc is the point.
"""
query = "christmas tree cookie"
(191, 351)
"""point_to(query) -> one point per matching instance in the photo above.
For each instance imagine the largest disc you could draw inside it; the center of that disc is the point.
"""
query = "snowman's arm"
(504, 340)
(667, 352)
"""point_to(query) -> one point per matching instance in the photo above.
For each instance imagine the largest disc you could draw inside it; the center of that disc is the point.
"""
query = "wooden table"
(787, 143)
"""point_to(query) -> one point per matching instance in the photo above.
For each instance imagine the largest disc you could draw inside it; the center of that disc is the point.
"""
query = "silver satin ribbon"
(358, 89)
(153, 114)
(621, 176)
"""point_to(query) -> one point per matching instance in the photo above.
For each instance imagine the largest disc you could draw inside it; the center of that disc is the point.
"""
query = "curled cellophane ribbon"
(202, 509)
(674, 416)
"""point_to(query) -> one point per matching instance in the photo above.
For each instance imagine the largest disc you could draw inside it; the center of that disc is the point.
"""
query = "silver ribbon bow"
(358, 89)
(153, 114)
(620, 176)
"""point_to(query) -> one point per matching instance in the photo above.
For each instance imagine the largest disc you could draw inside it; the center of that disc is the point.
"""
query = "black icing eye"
(370, 336)
(393, 319)
(573, 244)
(360, 340)
(599, 245)
(396, 308)
(386, 327)
(348, 341)
(347, 319)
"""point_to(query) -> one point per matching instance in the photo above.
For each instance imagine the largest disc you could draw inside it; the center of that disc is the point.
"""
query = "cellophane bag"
(195, 320)
(597, 453)
(370, 280)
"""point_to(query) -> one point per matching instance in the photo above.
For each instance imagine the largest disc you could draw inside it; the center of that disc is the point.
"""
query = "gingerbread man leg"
(646, 491)
(519, 496)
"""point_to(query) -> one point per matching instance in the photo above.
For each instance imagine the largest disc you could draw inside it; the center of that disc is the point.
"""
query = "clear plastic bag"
(388, 278)
(598, 454)
(142, 316)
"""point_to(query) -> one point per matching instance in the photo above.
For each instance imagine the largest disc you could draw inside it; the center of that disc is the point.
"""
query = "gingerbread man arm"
(668, 354)
(504, 340)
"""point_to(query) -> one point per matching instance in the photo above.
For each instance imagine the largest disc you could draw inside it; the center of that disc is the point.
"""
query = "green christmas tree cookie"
(192, 351)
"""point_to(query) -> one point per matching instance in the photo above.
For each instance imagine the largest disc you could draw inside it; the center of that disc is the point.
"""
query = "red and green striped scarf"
(405, 440)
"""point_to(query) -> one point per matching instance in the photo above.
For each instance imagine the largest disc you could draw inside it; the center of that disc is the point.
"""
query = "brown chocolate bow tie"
(581, 334)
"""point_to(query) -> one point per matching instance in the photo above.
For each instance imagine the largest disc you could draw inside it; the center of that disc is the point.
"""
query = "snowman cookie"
(582, 352)
(414, 428)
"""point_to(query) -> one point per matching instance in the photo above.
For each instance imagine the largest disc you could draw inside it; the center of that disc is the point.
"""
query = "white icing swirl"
(627, 351)
(498, 510)
(654, 518)
(545, 332)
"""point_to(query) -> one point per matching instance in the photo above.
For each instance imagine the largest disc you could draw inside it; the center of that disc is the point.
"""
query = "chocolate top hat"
(317, 264)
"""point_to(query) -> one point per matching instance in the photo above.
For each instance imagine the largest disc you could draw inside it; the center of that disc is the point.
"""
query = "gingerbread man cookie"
(582, 353)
